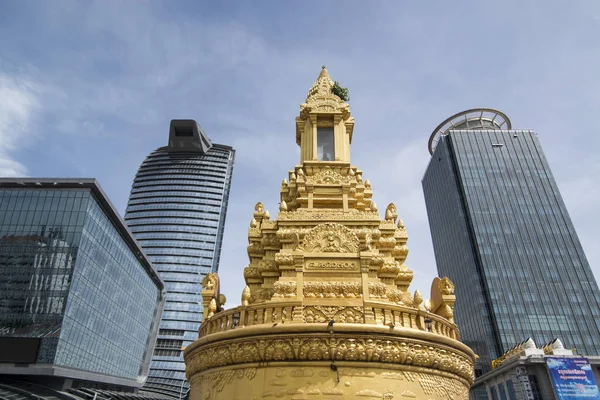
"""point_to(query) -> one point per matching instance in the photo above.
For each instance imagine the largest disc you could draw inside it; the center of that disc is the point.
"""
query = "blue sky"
(87, 89)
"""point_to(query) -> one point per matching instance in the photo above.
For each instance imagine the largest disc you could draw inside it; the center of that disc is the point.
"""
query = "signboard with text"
(572, 378)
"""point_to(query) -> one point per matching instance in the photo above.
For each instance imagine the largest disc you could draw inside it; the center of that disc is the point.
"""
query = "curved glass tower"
(176, 212)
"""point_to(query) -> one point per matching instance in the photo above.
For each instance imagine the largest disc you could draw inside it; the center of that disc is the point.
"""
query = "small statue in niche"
(446, 286)
(331, 243)
(373, 206)
(391, 213)
(210, 281)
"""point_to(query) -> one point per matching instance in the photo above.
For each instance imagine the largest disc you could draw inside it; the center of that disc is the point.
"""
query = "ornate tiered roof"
(327, 280)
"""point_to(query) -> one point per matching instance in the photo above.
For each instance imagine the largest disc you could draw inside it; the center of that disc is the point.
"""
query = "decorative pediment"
(330, 238)
(328, 176)
(320, 93)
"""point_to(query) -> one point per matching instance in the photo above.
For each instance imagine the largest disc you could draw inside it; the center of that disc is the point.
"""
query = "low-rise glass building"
(79, 301)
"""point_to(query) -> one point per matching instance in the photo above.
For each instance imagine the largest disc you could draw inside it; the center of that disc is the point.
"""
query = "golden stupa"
(326, 313)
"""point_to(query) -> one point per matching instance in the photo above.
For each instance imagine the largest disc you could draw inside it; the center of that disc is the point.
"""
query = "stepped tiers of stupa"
(327, 312)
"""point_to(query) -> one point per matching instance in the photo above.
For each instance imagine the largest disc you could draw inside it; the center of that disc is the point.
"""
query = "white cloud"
(17, 103)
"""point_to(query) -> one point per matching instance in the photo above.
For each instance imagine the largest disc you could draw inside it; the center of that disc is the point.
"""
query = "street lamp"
(428, 323)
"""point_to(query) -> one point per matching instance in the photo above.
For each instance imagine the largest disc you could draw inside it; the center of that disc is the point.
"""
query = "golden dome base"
(318, 361)
(318, 380)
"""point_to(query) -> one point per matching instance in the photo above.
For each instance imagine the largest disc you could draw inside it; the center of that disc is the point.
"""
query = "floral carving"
(328, 215)
(328, 176)
(251, 272)
(270, 240)
(330, 237)
(279, 350)
(400, 251)
(267, 265)
(351, 350)
(244, 353)
(284, 289)
(313, 350)
(376, 259)
(378, 290)
(390, 267)
(314, 315)
(284, 259)
(332, 289)
(255, 249)
(268, 224)
(395, 296)
(260, 294)
(386, 242)
(446, 286)
(405, 274)
(341, 314)
(393, 350)
(350, 315)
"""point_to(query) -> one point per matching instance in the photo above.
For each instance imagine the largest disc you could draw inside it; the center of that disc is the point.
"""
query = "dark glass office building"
(502, 234)
(177, 212)
(80, 303)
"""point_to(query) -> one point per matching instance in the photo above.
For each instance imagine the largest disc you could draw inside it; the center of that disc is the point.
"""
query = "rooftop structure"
(473, 119)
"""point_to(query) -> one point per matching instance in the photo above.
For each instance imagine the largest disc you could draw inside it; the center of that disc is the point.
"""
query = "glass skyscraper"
(79, 301)
(502, 234)
(176, 211)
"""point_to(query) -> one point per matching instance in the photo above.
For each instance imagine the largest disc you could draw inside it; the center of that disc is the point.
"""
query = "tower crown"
(324, 127)
(321, 89)
(473, 119)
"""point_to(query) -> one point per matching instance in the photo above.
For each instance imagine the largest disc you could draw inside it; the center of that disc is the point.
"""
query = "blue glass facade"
(502, 233)
(75, 290)
(176, 211)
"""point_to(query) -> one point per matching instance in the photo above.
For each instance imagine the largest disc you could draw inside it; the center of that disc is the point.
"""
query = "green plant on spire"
(341, 92)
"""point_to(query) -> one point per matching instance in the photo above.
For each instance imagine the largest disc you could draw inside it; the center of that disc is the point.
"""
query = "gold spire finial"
(324, 73)
(322, 88)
